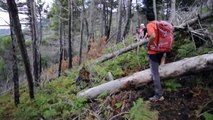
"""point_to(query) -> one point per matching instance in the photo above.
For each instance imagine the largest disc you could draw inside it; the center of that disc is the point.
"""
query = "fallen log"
(194, 20)
(121, 51)
(171, 70)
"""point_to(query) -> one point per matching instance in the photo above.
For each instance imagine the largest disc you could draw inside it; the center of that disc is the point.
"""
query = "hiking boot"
(156, 99)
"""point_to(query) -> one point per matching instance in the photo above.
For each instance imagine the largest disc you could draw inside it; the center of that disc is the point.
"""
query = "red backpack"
(165, 37)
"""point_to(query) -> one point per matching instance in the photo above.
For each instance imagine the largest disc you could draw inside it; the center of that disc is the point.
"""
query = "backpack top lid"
(165, 24)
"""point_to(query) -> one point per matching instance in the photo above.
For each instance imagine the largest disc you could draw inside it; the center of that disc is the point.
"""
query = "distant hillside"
(4, 32)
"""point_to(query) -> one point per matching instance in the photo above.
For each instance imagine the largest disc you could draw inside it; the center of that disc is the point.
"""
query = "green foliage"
(5, 42)
(48, 39)
(2, 67)
(186, 50)
(205, 50)
(45, 57)
(118, 105)
(172, 85)
(132, 61)
(102, 95)
(7, 109)
(28, 43)
(141, 111)
(208, 116)
(56, 100)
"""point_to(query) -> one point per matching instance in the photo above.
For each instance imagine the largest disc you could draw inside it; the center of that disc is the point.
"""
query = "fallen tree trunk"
(194, 20)
(121, 51)
(182, 67)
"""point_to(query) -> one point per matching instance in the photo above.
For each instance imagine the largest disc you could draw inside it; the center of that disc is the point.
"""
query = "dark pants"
(154, 62)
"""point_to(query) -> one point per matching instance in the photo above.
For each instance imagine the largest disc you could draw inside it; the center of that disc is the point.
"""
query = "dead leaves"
(64, 66)
(122, 102)
(196, 91)
(95, 49)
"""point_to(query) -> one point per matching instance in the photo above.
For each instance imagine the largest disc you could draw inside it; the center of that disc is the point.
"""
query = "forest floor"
(189, 102)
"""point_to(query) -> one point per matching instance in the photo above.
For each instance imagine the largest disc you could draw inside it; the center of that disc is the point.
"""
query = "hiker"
(154, 57)
(140, 32)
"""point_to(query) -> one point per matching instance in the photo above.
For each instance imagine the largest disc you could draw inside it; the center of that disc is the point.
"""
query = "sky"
(4, 17)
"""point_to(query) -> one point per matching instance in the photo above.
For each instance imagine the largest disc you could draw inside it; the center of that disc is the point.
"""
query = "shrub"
(186, 50)
(5, 42)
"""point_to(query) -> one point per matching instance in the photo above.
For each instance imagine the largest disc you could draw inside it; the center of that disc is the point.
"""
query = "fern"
(187, 50)
(172, 85)
(208, 116)
(141, 111)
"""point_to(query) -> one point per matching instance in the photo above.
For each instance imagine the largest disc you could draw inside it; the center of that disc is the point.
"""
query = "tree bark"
(81, 31)
(86, 23)
(118, 39)
(70, 32)
(102, 26)
(61, 45)
(138, 14)
(155, 9)
(212, 6)
(40, 22)
(36, 56)
(41, 5)
(171, 70)
(14, 67)
(121, 51)
(13, 12)
(127, 25)
(91, 20)
(110, 20)
(172, 15)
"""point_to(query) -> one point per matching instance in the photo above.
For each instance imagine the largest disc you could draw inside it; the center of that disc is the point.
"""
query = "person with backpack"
(160, 40)
(140, 32)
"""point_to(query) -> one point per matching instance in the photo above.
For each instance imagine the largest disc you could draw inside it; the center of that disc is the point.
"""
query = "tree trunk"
(138, 14)
(81, 30)
(40, 21)
(212, 6)
(171, 70)
(70, 32)
(14, 67)
(91, 20)
(172, 15)
(110, 20)
(102, 3)
(33, 24)
(40, 38)
(121, 51)
(118, 39)
(86, 22)
(13, 12)
(61, 45)
(155, 9)
(127, 25)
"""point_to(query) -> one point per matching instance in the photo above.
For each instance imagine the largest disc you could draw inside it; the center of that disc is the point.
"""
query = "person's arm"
(151, 33)
(151, 38)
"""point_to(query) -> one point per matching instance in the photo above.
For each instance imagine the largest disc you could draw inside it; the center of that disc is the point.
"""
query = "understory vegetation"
(58, 99)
